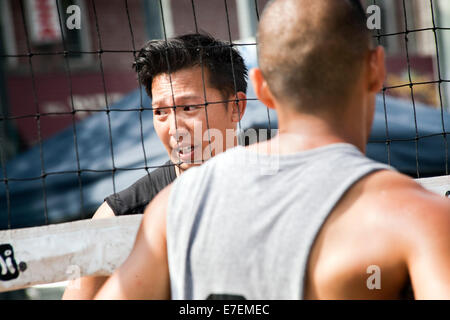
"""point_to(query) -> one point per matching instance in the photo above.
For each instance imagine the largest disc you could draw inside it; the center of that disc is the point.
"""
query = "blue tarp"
(68, 194)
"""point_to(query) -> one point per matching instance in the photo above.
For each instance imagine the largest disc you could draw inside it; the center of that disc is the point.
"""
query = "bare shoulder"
(155, 213)
(420, 221)
(406, 210)
(385, 220)
(395, 194)
(160, 202)
(145, 274)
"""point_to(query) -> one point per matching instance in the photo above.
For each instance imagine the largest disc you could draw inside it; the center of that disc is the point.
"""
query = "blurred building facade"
(413, 34)
(44, 90)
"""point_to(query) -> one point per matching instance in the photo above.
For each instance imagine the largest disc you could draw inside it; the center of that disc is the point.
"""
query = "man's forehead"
(178, 97)
(186, 79)
(184, 85)
(184, 75)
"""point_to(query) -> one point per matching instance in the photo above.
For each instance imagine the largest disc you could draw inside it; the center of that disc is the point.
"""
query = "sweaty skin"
(185, 89)
(385, 220)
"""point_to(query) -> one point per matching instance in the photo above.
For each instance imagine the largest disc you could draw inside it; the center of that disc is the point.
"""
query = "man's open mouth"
(186, 150)
(185, 154)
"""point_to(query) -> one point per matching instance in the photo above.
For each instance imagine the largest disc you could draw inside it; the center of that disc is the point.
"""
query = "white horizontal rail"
(439, 185)
(65, 251)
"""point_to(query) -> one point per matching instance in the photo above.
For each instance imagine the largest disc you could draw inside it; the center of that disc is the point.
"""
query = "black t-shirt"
(135, 198)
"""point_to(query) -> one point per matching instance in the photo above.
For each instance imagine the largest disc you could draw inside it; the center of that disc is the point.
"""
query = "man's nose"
(172, 123)
(176, 126)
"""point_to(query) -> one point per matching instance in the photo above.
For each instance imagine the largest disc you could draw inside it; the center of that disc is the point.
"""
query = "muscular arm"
(389, 221)
(145, 273)
(429, 256)
(86, 287)
(421, 221)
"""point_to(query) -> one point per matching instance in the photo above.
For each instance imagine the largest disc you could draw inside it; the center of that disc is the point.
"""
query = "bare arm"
(423, 225)
(387, 221)
(86, 287)
(429, 258)
(145, 273)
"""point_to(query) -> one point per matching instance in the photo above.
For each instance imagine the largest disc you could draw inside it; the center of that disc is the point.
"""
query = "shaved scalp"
(311, 53)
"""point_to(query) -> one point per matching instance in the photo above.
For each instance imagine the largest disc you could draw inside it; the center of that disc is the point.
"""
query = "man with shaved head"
(329, 223)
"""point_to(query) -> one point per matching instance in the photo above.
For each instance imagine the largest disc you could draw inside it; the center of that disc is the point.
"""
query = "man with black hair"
(198, 88)
(329, 223)
(200, 68)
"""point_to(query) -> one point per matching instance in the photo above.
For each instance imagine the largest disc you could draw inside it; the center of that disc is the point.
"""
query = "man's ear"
(261, 88)
(239, 106)
(377, 69)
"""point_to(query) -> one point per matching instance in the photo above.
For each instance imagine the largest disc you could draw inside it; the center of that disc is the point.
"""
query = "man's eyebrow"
(168, 104)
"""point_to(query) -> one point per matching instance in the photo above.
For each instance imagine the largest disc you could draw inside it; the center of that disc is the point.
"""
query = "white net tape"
(65, 251)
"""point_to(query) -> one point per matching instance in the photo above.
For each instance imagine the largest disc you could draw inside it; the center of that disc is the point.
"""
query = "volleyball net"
(83, 139)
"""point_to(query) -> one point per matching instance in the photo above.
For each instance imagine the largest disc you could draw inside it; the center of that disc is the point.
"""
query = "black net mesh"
(32, 199)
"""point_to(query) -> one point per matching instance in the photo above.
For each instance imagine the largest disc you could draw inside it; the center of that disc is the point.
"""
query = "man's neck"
(303, 132)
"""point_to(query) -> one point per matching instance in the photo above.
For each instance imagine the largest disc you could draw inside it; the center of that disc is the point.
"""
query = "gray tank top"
(243, 223)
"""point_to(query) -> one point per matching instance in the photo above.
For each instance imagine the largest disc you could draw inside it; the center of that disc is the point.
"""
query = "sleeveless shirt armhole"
(173, 191)
(337, 194)
(178, 196)
(112, 203)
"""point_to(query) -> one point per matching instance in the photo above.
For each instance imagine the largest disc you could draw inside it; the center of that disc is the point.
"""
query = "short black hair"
(227, 71)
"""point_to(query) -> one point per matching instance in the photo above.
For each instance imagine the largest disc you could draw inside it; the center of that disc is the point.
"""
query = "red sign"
(43, 21)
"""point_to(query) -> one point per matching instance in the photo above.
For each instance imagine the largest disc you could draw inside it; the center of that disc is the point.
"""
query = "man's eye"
(159, 112)
(189, 108)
